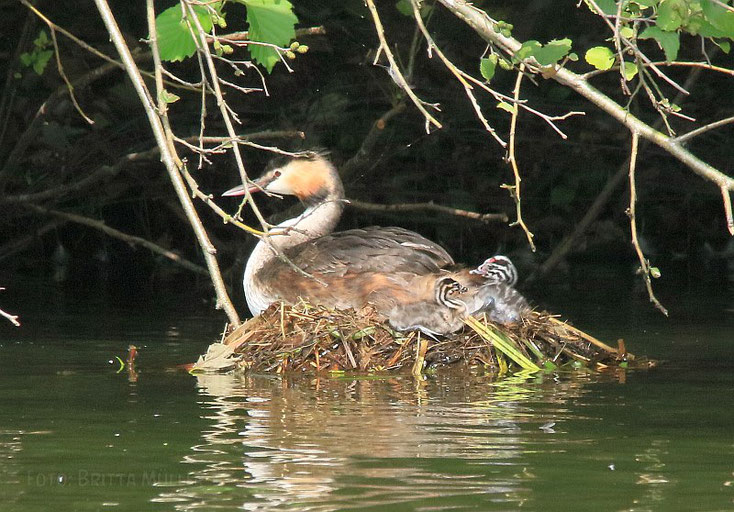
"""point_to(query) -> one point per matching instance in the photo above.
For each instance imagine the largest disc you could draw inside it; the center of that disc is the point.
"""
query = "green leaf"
(272, 22)
(698, 25)
(503, 105)
(668, 41)
(527, 50)
(724, 45)
(600, 57)
(505, 64)
(175, 41)
(627, 32)
(719, 17)
(647, 3)
(552, 52)
(607, 6)
(504, 28)
(630, 70)
(405, 7)
(655, 272)
(42, 40)
(573, 57)
(669, 14)
(26, 59)
(168, 97)
(42, 58)
(487, 67)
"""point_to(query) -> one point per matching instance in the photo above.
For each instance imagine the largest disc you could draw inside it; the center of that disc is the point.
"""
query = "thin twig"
(394, 70)
(456, 72)
(200, 38)
(91, 49)
(430, 206)
(300, 32)
(515, 190)
(724, 5)
(485, 26)
(597, 207)
(12, 318)
(702, 65)
(644, 263)
(726, 195)
(703, 129)
(634, 49)
(168, 158)
(130, 239)
(62, 74)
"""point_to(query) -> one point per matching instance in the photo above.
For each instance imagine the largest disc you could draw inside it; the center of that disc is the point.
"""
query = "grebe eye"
(276, 174)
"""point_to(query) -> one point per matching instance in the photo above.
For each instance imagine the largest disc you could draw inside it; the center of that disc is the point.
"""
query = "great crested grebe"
(408, 279)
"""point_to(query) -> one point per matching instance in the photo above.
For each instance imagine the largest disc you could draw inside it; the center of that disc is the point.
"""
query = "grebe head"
(311, 178)
(447, 292)
(498, 269)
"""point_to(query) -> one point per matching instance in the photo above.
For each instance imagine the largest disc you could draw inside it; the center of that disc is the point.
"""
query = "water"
(76, 434)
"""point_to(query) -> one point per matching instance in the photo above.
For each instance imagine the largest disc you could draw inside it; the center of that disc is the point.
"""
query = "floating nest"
(308, 338)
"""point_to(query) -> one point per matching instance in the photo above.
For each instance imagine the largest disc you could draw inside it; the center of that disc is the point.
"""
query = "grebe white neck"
(316, 221)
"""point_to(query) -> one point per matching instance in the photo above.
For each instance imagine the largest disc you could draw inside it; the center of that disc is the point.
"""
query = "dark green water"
(77, 435)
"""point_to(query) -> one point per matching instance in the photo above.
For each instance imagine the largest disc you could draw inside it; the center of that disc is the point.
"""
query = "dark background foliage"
(334, 96)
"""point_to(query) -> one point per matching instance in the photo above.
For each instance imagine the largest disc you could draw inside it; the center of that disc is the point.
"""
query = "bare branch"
(430, 206)
(168, 157)
(300, 32)
(645, 269)
(703, 129)
(129, 239)
(456, 72)
(12, 318)
(200, 38)
(703, 65)
(485, 27)
(726, 195)
(394, 70)
(515, 190)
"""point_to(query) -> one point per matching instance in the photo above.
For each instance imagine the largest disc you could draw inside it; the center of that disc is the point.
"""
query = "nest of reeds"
(308, 338)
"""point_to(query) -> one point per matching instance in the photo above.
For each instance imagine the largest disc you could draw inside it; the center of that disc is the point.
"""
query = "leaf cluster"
(270, 22)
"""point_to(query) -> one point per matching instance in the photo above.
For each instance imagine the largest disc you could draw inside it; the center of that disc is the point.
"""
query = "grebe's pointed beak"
(255, 186)
(239, 190)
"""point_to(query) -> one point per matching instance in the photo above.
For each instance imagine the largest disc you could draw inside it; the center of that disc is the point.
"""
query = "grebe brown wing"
(372, 249)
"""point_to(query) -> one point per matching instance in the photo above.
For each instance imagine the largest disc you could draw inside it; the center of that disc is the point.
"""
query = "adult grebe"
(408, 279)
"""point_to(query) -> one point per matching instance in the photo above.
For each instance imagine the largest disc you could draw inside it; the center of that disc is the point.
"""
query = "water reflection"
(325, 444)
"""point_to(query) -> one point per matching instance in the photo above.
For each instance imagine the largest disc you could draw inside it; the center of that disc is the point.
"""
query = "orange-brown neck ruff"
(311, 181)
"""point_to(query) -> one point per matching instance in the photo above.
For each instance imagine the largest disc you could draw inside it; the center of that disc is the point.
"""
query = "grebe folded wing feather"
(372, 249)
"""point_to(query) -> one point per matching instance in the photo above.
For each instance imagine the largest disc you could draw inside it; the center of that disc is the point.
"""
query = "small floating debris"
(309, 338)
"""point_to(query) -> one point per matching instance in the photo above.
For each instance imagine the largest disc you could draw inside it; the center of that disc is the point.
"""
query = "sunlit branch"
(455, 71)
(645, 269)
(430, 206)
(394, 70)
(515, 190)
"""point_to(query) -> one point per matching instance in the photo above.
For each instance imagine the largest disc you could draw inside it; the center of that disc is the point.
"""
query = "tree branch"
(645, 269)
(394, 69)
(515, 189)
(481, 23)
(703, 129)
(115, 233)
(12, 318)
(168, 158)
(430, 206)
